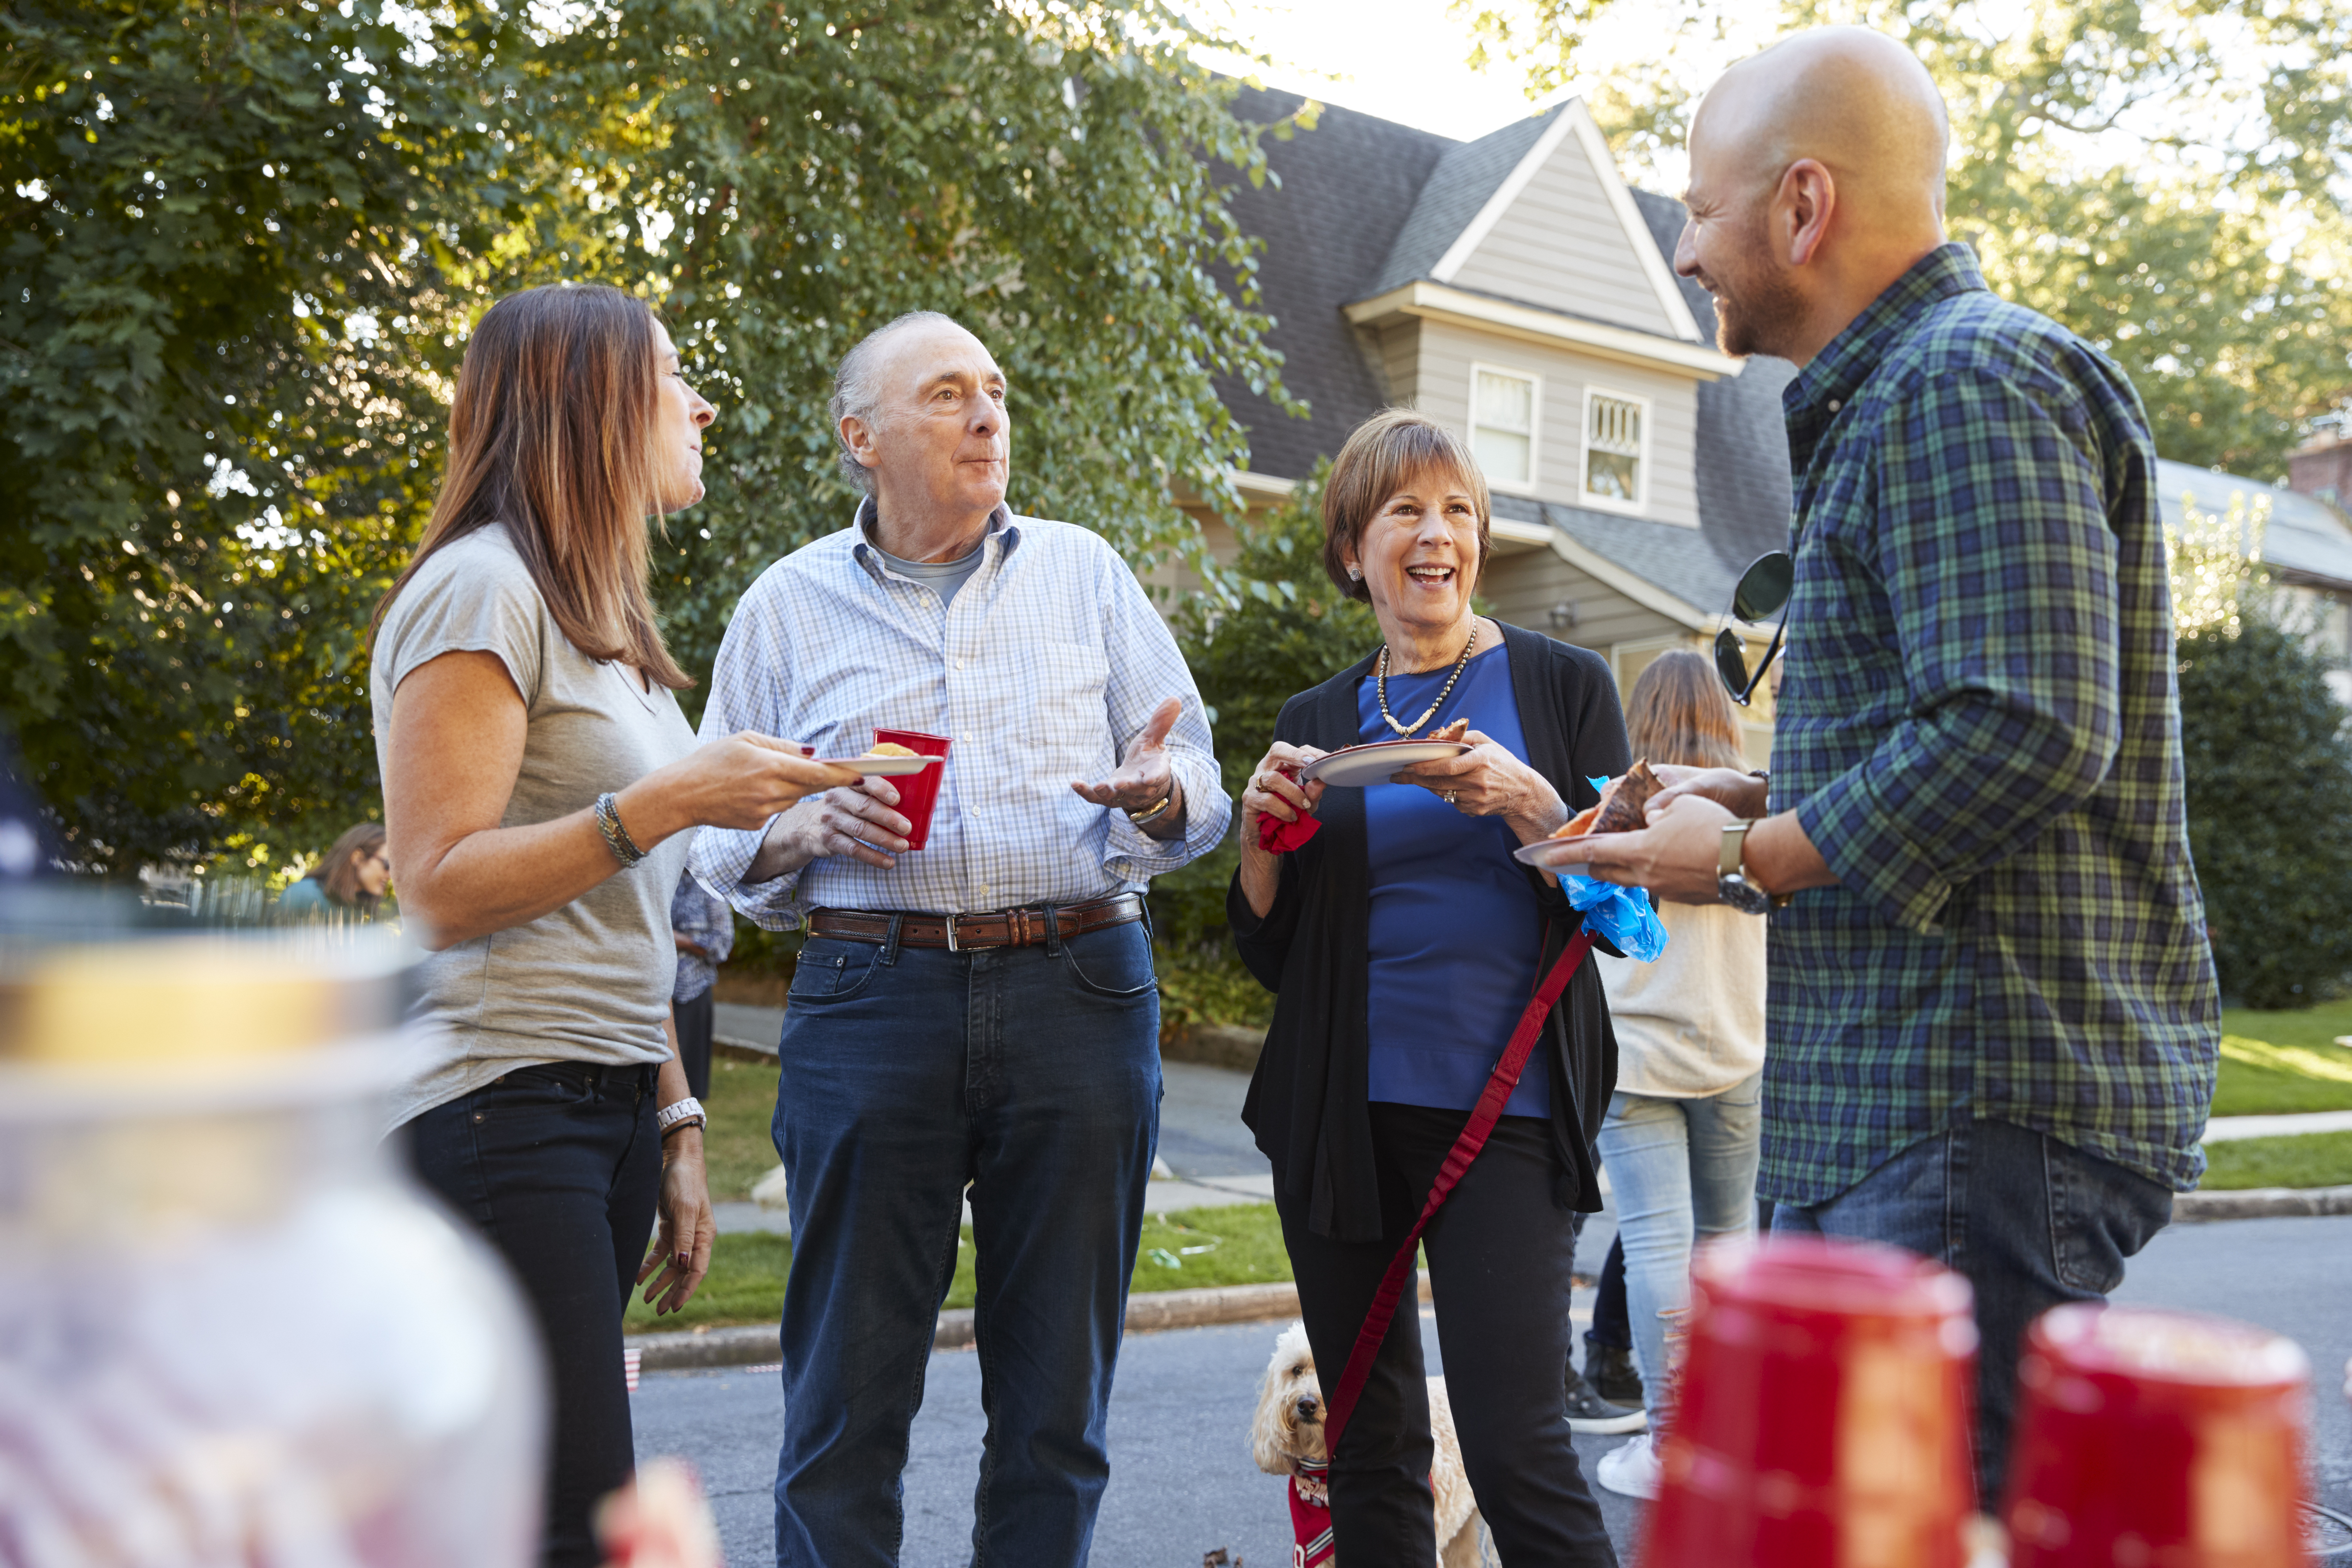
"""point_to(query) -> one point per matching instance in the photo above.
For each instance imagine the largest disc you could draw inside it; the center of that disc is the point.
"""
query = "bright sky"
(1400, 59)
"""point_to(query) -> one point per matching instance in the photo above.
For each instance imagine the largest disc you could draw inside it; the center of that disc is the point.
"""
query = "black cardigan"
(1307, 1101)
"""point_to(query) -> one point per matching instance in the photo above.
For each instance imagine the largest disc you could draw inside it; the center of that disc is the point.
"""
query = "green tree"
(247, 242)
(2166, 181)
(2270, 780)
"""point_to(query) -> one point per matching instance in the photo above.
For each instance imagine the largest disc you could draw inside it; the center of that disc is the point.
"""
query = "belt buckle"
(950, 921)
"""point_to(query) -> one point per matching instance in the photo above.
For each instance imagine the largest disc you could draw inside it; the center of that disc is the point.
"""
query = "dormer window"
(1616, 460)
(1503, 407)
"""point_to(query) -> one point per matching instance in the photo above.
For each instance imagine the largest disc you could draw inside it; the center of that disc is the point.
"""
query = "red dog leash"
(1340, 1402)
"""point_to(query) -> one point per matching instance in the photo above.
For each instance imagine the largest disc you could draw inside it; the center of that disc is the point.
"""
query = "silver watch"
(677, 1112)
(1731, 883)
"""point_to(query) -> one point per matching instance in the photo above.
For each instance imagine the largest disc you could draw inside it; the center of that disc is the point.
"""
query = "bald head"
(1817, 180)
(1853, 100)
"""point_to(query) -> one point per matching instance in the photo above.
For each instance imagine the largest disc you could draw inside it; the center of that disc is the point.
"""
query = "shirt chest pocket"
(1065, 685)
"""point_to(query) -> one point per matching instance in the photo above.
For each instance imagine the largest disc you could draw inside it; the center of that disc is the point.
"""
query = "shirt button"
(958, 664)
(1835, 405)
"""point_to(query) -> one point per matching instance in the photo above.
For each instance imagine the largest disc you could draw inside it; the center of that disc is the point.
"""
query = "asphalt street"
(1182, 1482)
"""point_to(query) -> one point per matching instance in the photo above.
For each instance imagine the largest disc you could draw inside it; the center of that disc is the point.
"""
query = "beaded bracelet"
(616, 838)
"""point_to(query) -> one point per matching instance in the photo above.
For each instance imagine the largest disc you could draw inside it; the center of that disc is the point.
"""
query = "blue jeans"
(1680, 1170)
(1032, 1073)
(2032, 1223)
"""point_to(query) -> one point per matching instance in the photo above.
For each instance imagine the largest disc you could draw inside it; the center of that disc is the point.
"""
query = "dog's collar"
(1311, 1515)
(1310, 1467)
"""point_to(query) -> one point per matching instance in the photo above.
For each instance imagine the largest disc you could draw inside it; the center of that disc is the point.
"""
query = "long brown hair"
(336, 873)
(550, 433)
(1680, 713)
(1384, 455)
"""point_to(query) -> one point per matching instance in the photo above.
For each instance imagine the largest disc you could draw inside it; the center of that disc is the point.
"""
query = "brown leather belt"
(991, 928)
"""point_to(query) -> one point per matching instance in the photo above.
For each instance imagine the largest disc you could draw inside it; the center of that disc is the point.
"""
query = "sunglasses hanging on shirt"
(1761, 592)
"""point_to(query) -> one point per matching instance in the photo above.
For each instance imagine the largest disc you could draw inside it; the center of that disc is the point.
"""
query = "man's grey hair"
(857, 390)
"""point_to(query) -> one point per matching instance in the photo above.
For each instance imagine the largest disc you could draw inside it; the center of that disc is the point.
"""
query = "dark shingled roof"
(1365, 205)
(1453, 193)
(1346, 188)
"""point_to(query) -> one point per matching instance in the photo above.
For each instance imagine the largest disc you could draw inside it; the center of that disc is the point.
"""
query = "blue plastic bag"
(1624, 915)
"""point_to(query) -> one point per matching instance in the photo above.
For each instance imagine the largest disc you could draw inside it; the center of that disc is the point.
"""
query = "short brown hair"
(1381, 458)
(337, 874)
(552, 434)
(1680, 714)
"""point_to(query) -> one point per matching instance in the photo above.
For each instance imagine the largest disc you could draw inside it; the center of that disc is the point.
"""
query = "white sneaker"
(1631, 1471)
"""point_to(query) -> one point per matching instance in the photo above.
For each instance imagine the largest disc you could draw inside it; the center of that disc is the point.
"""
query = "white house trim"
(1472, 237)
(1260, 487)
(1640, 590)
(1440, 303)
(1629, 218)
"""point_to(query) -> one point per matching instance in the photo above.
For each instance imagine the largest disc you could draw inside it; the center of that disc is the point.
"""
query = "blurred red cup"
(917, 792)
(1825, 1415)
(2149, 1439)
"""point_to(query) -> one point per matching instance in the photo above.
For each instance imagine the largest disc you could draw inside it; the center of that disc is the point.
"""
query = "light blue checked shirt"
(1047, 663)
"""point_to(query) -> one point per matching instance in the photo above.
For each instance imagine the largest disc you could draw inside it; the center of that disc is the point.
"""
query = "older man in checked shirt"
(1992, 1013)
(983, 1010)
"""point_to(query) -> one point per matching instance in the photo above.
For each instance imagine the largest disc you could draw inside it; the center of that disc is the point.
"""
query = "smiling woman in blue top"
(1402, 943)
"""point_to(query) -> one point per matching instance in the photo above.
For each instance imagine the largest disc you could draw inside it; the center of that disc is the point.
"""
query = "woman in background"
(350, 879)
(540, 781)
(1681, 1138)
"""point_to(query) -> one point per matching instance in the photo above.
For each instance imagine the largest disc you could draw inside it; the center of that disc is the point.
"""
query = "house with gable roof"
(1515, 289)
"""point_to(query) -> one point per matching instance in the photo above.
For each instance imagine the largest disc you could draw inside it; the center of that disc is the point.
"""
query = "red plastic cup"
(1825, 1415)
(917, 792)
(2157, 1438)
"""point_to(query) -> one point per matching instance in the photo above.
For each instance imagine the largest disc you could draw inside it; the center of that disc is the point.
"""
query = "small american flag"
(630, 1362)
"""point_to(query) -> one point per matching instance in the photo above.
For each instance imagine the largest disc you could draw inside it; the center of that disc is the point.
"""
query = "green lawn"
(736, 1147)
(1187, 1250)
(2305, 1160)
(2278, 1062)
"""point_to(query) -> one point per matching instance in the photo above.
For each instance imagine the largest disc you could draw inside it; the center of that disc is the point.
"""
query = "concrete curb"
(754, 1344)
(2260, 1203)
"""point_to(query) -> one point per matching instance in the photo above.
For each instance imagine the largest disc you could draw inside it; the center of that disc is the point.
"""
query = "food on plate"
(1623, 806)
(891, 749)
(1453, 732)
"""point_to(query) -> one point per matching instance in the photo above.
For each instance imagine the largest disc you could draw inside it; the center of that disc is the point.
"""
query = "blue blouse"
(1456, 933)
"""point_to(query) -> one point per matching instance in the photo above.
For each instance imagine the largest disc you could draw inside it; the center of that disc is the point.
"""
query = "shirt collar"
(1830, 382)
(1002, 528)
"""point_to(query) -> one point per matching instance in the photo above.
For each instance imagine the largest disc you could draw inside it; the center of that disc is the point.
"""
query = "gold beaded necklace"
(1380, 687)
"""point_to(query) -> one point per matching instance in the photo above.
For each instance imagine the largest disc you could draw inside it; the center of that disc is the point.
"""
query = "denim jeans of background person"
(983, 1010)
(1996, 948)
(702, 929)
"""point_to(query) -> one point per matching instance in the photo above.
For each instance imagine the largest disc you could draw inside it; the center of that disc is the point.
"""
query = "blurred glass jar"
(231, 1330)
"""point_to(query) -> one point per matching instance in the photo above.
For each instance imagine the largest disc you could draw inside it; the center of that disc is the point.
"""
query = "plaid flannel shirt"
(1978, 727)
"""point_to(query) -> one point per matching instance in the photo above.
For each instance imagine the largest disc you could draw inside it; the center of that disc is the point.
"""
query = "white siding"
(1560, 246)
(1435, 375)
(1523, 588)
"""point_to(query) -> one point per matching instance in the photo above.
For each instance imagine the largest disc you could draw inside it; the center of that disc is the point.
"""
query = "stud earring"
(1355, 574)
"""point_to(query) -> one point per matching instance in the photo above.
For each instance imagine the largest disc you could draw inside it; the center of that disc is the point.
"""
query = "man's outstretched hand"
(1144, 775)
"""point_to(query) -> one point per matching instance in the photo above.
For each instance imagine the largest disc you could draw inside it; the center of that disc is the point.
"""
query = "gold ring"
(1448, 797)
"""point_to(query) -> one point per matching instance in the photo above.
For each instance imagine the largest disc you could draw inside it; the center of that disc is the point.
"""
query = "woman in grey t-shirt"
(539, 781)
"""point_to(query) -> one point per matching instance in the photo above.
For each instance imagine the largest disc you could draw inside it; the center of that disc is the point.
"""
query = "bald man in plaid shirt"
(984, 1009)
(1993, 1020)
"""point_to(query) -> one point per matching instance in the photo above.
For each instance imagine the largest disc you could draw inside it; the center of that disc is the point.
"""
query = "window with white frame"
(1615, 435)
(1503, 426)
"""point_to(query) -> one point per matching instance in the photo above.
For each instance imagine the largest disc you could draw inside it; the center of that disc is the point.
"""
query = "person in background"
(539, 783)
(981, 1012)
(350, 878)
(1402, 943)
(1609, 1343)
(1681, 1139)
(703, 929)
(1994, 1018)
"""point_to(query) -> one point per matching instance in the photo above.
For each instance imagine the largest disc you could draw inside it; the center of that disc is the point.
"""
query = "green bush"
(2270, 791)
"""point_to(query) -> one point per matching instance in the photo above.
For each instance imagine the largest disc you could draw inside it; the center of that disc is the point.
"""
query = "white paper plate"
(1353, 767)
(882, 767)
(1554, 854)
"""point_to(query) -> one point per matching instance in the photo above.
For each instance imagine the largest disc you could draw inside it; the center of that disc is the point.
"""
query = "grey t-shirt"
(942, 577)
(590, 981)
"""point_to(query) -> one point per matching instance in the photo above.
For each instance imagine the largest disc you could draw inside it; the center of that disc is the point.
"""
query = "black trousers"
(693, 1020)
(1500, 1255)
(560, 1169)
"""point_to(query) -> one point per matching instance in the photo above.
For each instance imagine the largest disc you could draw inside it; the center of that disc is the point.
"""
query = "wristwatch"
(684, 1112)
(1731, 883)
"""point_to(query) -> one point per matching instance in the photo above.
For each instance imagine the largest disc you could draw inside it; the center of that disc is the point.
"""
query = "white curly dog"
(1287, 1439)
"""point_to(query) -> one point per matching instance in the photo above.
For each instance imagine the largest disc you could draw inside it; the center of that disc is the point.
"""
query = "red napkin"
(1279, 838)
